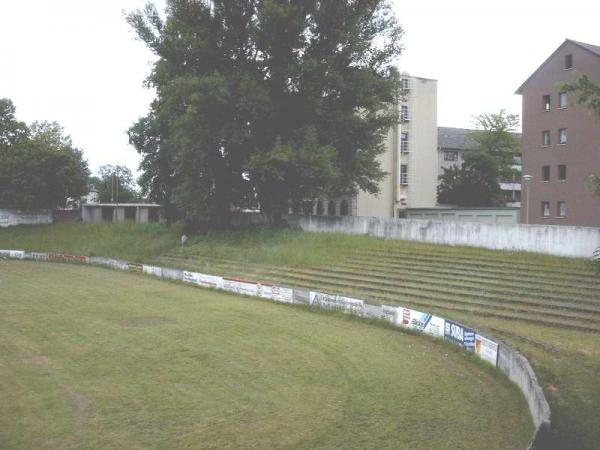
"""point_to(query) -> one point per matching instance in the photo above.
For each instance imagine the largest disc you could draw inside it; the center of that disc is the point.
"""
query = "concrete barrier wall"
(579, 242)
(11, 217)
(514, 365)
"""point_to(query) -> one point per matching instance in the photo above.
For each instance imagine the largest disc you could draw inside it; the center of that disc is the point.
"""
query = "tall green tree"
(115, 183)
(265, 100)
(476, 182)
(39, 166)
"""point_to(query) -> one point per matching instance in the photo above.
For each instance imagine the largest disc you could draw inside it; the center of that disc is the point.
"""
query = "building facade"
(453, 142)
(561, 141)
(410, 160)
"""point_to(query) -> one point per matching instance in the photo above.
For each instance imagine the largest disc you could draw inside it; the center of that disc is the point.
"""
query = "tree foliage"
(115, 183)
(586, 92)
(265, 101)
(39, 167)
(475, 183)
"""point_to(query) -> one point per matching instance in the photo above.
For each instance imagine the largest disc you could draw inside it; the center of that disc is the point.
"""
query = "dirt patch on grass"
(145, 322)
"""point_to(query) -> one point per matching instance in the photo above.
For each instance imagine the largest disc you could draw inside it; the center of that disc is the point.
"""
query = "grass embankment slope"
(546, 307)
(91, 358)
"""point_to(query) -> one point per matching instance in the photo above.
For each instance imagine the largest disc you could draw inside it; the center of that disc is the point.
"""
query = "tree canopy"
(115, 183)
(265, 102)
(476, 182)
(39, 167)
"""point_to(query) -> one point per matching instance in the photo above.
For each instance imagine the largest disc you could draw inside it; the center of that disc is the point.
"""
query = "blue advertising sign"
(463, 336)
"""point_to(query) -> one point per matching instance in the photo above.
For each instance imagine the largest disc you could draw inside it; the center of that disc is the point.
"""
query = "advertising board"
(12, 254)
(152, 270)
(462, 336)
(277, 293)
(135, 268)
(390, 313)
(240, 286)
(209, 281)
(421, 322)
(65, 257)
(339, 302)
(486, 349)
(36, 256)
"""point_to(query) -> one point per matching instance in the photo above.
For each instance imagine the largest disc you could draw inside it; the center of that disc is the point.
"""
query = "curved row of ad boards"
(490, 350)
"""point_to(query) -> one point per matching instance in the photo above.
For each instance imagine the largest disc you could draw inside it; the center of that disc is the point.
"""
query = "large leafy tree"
(115, 183)
(476, 182)
(39, 166)
(272, 101)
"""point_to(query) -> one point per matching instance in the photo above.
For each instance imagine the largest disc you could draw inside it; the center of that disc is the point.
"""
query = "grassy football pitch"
(93, 358)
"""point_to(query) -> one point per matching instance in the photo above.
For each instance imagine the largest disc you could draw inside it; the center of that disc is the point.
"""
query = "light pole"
(527, 179)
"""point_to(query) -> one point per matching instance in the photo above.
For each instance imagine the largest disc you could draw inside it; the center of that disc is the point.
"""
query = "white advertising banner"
(240, 286)
(277, 293)
(390, 313)
(12, 254)
(339, 302)
(36, 256)
(209, 281)
(190, 277)
(486, 349)
(152, 270)
(423, 322)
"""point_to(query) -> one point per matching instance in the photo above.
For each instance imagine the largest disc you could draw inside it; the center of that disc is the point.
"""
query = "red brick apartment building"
(561, 141)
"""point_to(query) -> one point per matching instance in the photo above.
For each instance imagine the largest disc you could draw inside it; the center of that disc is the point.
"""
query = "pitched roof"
(592, 48)
(460, 138)
(455, 138)
(595, 49)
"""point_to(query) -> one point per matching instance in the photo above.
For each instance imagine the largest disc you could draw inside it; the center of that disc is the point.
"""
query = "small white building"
(120, 212)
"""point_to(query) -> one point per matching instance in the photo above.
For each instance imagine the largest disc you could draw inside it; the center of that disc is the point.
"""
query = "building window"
(404, 113)
(320, 208)
(545, 209)
(331, 208)
(546, 102)
(450, 156)
(404, 142)
(404, 174)
(546, 137)
(546, 173)
(562, 172)
(562, 136)
(568, 62)
(406, 84)
(562, 209)
(344, 208)
(562, 100)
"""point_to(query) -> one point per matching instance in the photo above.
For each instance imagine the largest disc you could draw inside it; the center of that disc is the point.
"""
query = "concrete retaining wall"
(11, 217)
(579, 242)
(514, 365)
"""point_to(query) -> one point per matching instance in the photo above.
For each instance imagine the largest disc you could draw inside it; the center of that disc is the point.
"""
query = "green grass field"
(92, 358)
(546, 307)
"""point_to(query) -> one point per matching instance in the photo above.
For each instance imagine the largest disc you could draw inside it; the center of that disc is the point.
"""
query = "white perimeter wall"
(550, 239)
(10, 217)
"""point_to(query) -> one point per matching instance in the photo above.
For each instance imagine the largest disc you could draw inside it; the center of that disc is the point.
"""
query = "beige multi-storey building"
(410, 160)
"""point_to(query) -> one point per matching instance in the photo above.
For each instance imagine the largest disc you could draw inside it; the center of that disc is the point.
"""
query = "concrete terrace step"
(414, 261)
(418, 302)
(501, 296)
(415, 297)
(482, 257)
(458, 295)
(497, 264)
(519, 286)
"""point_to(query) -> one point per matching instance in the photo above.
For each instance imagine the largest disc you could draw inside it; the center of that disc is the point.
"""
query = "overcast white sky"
(78, 63)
